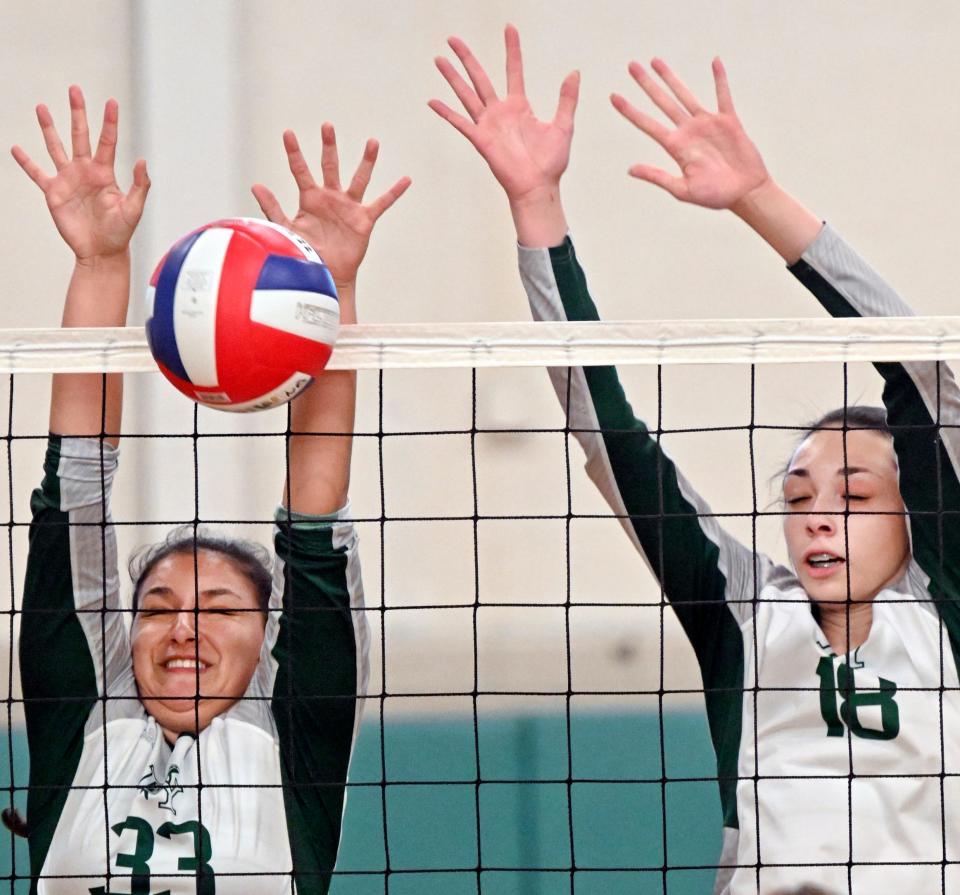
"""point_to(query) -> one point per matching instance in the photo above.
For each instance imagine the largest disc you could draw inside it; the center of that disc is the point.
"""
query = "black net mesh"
(481, 777)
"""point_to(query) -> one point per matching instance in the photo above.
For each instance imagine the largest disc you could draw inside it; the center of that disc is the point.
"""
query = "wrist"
(347, 299)
(114, 262)
(757, 201)
(539, 217)
(779, 219)
(99, 291)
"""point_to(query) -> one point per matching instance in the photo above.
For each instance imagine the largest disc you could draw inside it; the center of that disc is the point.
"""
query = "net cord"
(536, 344)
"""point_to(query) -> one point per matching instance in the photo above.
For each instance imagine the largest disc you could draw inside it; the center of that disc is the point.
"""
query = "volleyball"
(241, 314)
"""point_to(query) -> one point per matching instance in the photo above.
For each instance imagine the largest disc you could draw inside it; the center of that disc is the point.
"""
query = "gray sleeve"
(694, 558)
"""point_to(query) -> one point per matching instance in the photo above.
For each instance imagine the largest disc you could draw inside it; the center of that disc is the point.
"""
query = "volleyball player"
(831, 686)
(207, 750)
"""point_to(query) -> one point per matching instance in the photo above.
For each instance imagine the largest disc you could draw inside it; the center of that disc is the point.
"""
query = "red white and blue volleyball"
(241, 314)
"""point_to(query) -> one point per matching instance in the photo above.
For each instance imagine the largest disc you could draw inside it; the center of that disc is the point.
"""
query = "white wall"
(853, 104)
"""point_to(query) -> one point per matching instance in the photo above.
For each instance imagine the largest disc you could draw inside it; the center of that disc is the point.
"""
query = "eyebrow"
(844, 471)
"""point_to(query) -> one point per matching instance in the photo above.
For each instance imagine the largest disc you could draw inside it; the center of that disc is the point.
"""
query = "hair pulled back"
(249, 558)
(853, 417)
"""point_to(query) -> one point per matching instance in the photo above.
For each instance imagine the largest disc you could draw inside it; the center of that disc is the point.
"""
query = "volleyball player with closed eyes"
(207, 749)
(830, 686)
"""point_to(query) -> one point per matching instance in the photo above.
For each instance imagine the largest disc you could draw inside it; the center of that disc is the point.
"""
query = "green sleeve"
(709, 578)
(321, 654)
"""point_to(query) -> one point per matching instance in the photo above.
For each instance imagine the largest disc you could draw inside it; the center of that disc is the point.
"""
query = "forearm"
(98, 295)
(322, 420)
(779, 219)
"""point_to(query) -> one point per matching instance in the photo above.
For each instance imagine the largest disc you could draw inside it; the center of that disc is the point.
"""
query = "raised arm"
(71, 651)
(96, 220)
(319, 645)
(710, 579)
(338, 225)
(721, 168)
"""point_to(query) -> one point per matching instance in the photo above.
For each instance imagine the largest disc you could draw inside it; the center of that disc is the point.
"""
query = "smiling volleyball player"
(136, 775)
(831, 686)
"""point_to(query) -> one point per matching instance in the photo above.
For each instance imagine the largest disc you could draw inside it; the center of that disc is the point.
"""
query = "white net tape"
(435, 345)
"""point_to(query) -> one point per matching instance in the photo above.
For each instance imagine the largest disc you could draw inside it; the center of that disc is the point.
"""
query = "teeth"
(185, 663)
(822, 560)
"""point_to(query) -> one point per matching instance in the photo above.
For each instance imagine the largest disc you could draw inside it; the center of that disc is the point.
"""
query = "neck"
(846, 625)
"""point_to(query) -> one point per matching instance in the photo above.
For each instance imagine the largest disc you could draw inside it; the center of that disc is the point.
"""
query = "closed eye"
(152, 613)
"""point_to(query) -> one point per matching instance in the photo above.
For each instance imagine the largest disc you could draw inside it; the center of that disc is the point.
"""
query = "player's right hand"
(527, 156)
(94, 217)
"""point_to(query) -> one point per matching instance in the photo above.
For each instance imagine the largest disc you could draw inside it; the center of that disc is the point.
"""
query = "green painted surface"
(531, 833)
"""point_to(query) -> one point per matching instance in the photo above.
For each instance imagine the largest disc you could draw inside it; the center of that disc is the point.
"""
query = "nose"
(823, 518)
(184, 628)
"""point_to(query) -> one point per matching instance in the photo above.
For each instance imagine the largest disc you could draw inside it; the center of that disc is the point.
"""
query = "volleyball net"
(534, 719)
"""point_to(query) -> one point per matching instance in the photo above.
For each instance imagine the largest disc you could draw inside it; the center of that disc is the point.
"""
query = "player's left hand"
(332, 219)
(719, 164)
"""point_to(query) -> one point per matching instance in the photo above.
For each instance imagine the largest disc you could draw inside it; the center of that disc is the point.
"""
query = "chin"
(180, 717)
(838, 596)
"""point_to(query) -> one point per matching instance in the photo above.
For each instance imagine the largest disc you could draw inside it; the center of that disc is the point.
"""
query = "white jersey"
(833, 770)
(254, 804)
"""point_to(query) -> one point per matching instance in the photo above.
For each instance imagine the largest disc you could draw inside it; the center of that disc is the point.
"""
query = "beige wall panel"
(853, 105)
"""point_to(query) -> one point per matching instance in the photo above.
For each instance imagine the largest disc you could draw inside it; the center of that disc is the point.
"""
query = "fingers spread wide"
(661, 99)
(471, 102)
(481, 83)
(680, 90)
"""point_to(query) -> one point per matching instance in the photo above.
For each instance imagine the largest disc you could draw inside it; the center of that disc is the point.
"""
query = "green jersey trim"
(686, 550)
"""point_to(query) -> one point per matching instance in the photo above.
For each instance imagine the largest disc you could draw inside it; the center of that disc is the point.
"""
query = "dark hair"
(249, 558)
(851, 418)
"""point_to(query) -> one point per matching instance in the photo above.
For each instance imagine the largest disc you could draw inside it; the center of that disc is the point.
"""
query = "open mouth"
(824, 561)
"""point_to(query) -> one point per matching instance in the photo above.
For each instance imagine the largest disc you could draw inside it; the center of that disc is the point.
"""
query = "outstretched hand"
(94, 217)
(332, 219)
(526, 154)
(719, 164)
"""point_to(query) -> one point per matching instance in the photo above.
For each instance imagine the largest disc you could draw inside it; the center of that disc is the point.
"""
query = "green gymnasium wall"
(524, 839)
